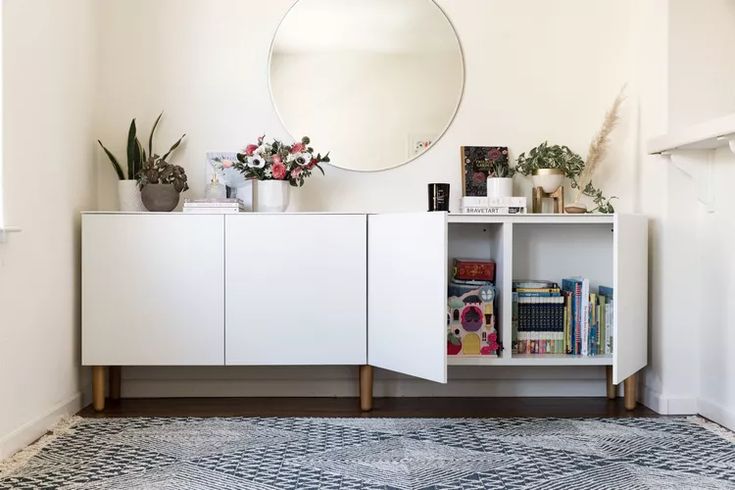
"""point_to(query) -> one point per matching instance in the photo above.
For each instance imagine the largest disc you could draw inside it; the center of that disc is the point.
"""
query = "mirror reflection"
(376, 81)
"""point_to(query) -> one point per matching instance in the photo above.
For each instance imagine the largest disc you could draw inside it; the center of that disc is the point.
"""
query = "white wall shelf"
(707, 135)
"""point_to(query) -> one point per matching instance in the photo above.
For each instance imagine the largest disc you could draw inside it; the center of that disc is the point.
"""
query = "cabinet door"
(296, 287)
(152, 290)
(630, 264)
(407, 294)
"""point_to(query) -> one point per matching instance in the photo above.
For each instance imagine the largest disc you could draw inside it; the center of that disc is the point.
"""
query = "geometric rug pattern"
(385, 454)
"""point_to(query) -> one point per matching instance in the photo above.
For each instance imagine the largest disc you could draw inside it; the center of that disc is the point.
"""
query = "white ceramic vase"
(499, 187)
(271, 196)
(549, 179)
(128, 196)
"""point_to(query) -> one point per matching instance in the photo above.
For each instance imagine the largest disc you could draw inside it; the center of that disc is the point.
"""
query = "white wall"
(535, 70)
(49, 177)
(692, 368)
(701, 42)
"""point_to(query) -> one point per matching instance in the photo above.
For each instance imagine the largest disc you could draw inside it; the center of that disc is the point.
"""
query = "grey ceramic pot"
(160, 197)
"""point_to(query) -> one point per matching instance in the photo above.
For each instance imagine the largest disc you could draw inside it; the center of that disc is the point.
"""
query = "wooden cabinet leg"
(98, 388)
(631, 391)
(612, 390)
(366, 388)
(115, 375)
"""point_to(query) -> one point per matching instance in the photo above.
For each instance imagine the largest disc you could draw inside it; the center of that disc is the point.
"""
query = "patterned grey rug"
(405, 454)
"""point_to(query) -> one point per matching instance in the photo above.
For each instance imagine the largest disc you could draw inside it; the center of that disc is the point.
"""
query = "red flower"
(312, 163)
(298, 148)
(250, 149)
(279, 171)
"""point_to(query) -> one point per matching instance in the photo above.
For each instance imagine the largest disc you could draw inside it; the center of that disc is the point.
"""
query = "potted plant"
(275, 167)
(129, 194)
(548, 165)
(161, 183)
(500, 178)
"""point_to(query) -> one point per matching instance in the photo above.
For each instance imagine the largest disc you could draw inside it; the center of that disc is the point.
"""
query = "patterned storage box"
(471, 320)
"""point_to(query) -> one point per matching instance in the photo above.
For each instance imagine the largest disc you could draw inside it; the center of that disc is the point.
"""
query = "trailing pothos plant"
(136, 153)
(550, 156)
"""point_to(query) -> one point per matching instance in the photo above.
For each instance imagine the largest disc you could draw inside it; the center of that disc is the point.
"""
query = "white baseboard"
(34, 429)
(717, 413)
(666, 405)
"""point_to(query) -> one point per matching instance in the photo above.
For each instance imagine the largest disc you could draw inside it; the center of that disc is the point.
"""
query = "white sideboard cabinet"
(337, 289)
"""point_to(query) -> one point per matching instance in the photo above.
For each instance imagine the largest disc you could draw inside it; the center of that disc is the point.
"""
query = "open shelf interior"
(534, 250)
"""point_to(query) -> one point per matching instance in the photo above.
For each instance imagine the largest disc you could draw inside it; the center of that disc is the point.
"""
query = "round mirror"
(377, 82)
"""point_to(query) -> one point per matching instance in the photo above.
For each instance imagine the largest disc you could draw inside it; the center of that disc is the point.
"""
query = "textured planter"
(549, 179)
(499, 187)
(128, 196)
(271, 196)
(160, 197)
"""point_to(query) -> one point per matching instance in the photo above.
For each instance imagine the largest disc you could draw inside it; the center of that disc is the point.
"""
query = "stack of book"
(538, 318)
(493, 205)
(547, 319)
(209, 206)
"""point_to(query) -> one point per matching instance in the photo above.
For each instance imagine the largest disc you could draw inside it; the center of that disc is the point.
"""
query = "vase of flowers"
(276, 167)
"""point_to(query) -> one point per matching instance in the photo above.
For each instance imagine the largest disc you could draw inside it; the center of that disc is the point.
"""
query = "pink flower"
(298, 148)
(279, 171)
(277, 159)
(296, 172)
(250, 149)
(226, 163)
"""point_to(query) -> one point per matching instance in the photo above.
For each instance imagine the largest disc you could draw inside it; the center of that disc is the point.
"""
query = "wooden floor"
(383, 407)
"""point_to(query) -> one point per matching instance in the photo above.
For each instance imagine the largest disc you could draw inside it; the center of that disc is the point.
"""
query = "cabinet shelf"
(531, 360)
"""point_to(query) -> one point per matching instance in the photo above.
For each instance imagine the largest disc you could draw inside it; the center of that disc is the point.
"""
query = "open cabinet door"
(407, 294)
(630, 341)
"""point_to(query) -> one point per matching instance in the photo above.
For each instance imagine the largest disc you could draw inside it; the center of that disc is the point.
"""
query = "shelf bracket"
(730, 138)
(689, 162)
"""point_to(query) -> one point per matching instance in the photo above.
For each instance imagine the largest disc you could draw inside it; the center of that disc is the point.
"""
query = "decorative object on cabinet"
(396, 295)
(275, 167)
(595, 155)
(236, 185)
(539, 194)
(161, 183)
(216, 189)
(481, 162)
(379, 100)
(500, 180)
(214, 206)
(549, 164)
(439, 197)
(493, 205)
(129, 194)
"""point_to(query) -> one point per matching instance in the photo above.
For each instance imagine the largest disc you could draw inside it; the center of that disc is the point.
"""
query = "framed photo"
(479, 163)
